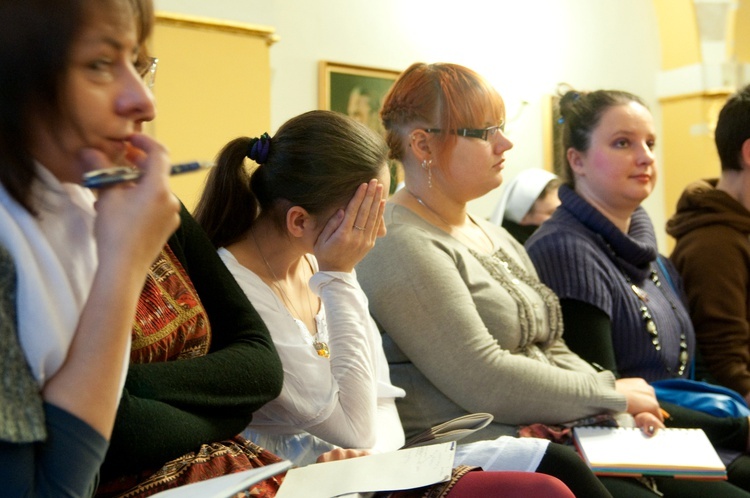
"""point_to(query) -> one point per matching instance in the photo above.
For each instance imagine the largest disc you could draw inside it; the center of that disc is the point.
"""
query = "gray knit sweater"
(468, 333)
(21, 412)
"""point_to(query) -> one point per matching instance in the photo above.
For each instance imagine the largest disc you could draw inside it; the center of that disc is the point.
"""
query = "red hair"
(442, 95)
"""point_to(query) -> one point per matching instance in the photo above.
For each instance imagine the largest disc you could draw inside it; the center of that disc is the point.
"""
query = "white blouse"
(346, 400)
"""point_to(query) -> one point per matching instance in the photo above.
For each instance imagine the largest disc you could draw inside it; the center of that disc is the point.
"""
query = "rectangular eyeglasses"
(483, 133)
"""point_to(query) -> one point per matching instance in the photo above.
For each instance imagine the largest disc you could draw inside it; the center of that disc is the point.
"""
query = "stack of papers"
(403, 469)
(452, 430)
(396, 470)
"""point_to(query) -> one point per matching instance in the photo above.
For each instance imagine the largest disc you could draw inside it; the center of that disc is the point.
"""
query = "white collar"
(55, 259)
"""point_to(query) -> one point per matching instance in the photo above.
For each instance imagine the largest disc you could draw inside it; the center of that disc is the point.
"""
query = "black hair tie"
(258, 148)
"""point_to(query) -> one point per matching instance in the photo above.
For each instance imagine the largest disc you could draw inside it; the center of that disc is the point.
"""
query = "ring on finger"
(651, 429)
(359, 228)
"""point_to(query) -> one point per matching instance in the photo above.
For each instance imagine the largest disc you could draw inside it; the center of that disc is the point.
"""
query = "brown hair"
(315, 161)
(441, 95)
(580, 113)
(35, 45)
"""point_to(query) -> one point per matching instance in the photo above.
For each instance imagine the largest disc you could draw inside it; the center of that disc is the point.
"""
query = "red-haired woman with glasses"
(468, 326)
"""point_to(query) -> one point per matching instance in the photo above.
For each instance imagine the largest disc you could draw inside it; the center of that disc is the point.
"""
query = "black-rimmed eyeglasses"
(483, 133)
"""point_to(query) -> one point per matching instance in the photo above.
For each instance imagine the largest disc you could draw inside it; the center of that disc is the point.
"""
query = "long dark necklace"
(648, 320)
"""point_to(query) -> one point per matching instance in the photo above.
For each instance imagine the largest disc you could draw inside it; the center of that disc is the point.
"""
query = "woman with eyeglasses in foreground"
(201, 360)
(468, 326)
(72, 100)
(96, 283)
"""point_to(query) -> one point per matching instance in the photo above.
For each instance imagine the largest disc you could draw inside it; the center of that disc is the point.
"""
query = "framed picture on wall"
(358, 92)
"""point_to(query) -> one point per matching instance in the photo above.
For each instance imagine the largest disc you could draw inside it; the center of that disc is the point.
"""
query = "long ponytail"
(228, 207)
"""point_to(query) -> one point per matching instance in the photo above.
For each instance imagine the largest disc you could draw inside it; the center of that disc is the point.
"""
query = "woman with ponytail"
(291, 233)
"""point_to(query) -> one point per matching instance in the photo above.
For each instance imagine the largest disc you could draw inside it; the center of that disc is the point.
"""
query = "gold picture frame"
(358, 92)
(551, 131)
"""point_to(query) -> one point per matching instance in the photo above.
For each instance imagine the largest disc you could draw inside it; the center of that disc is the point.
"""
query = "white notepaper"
(403, 469)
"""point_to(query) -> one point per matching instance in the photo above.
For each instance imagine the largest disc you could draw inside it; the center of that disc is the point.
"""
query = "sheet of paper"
(403, 469)
(226, 486)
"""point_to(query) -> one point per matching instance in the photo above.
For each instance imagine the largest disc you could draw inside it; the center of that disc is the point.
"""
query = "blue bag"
(702, 396)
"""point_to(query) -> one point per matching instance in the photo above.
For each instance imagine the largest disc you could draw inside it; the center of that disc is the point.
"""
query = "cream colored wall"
(741, 32)
(688, 144)
(524, 48)
(678, 32)
(703, 47)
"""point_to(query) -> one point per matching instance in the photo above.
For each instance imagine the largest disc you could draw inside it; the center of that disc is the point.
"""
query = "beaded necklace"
(651, 328)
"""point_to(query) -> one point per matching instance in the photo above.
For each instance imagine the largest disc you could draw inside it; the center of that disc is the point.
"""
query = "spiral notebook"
(681, 453)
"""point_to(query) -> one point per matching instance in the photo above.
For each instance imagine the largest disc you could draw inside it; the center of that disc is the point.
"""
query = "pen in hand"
(106, 177)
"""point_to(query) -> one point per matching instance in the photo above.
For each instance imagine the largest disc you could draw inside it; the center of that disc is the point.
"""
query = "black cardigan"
(171, 408)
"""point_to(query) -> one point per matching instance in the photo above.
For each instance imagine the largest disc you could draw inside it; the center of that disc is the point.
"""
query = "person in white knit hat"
(528, 200)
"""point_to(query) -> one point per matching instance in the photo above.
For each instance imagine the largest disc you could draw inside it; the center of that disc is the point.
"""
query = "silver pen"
(100, 178)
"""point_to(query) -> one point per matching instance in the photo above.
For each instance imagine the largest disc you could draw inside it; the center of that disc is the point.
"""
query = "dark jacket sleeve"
(171, 408)
(65, 465)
